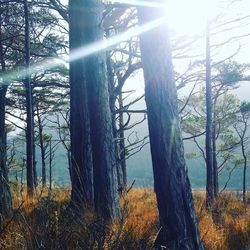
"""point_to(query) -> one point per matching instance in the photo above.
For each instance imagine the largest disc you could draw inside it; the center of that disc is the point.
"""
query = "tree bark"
(242, 136)
(42, 146)
(50, 165)
(112, 101)
(5, 195)
(81, 158)
(103, 149)
(29, 109)
(122, 148)
(209, 125)
(215, 163)
(179, 228)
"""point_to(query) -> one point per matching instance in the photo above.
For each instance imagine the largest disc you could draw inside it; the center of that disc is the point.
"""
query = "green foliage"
(230, 72)
(245, 107)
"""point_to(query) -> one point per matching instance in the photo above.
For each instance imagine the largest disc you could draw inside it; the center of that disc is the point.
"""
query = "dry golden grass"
(41, 223)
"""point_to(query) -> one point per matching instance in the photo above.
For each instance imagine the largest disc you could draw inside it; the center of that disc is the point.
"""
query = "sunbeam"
(136, 3)
(105, 44)
(19, 74)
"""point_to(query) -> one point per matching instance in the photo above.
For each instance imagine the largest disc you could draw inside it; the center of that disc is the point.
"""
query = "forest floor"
(42, 223)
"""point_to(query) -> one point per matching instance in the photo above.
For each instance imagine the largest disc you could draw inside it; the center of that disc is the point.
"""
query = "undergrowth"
(44, 223)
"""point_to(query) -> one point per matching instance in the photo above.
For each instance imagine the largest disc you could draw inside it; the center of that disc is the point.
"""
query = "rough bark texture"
(122, 148)
(29, 109)
(42, 146)
(209, 126)
(81, 158)
(112, 101)
(5, 195)
(179, 228)
(215, 163)
(103, 148)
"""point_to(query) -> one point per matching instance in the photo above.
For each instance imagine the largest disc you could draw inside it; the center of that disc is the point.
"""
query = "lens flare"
(21, 73)
(105, 44)
(138, 3)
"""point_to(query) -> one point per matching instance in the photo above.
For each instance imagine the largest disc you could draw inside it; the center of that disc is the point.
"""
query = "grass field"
(42, 223)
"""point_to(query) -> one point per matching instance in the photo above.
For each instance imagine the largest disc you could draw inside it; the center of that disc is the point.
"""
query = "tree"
(82, 195)
(225, 76)
(210, 196)
(30, 152)
(5, 195)
(241, 130)
(91, 137)
(179, 229)
(102, 141)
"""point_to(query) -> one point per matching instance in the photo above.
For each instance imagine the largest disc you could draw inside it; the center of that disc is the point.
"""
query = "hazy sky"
(191, 20)
(189, 17)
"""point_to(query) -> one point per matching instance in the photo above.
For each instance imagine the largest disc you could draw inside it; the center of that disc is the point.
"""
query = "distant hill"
(139, 166)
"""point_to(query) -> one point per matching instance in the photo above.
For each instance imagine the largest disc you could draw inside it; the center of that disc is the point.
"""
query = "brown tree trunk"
(50, 164)
(179, 228)
(244, 172)
(81, 158)
(122, 149)
(215, 164)
(29, 109)
(42, 146)
(103, 149)
(112, 101)
(5, 195)
(209, 126)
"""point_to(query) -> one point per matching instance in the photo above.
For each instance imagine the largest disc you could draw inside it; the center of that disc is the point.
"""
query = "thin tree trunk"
(112, 100)
(34, 151)
(179, 227)
(215, 164)
(50, 165)
(243, 151)
(122, 149)
(209, 125)
(29, 110)
(244, 174)
(42, 147)
(81, 158)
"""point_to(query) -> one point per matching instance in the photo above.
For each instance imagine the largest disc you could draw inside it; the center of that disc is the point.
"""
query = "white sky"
(189, 17)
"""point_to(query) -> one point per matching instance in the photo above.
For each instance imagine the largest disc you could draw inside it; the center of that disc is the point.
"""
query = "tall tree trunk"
(34, 151)
(103, 149)
(5, 195)
(50, 164)
(244, 171)
(112, 101)
(243, 151)
(29, 109)
(215, 163)
(209, 125)
(179, 228)
(81, 158)
(122, 149)
(42, 146)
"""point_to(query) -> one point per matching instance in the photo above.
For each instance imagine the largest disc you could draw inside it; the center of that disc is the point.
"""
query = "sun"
(189, 17)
